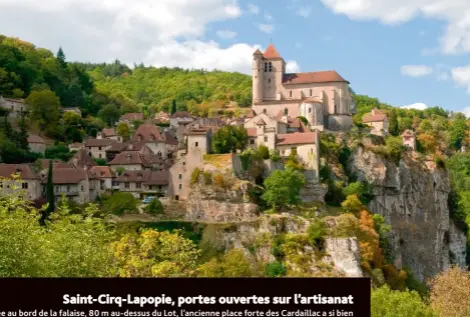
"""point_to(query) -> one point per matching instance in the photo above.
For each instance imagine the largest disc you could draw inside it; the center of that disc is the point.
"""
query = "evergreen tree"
(7, 129)
(393, 123)
(61, 58)
(49, 195)
(173, 106)
(22, 135)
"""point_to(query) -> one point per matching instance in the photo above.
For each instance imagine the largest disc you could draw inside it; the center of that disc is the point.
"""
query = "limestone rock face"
(345, 255)
(413, 199)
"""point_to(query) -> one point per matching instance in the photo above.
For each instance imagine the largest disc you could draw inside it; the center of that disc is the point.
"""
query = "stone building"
(323, 98)
(378, 122)
(129, 118)
(142, 184)
(153, 138)
(30, 181)
(104, 176)
(136, 161)
(198, 143)
(16, 107)
(109, 134)
(97, 147)
(180, 118)
(409, 139)
(36, 144)
(73, 183)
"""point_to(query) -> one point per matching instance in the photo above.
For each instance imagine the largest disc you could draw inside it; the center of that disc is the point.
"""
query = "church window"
(270, 67)
(290, 93)
(311, 92)
(286, 111)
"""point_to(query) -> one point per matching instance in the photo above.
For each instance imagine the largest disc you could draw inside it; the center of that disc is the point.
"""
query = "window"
(81, 188)
(99, 148)
(196, 144)
(180, 186)
(286, 111)
(270, 67)
(265, 139)
(1, 184)
(265, 67)
(68, 189)
(252, 141)
(159, 187)
(138, 185)
(309, 110)
(184, 163)
(269, 80)
(311, 92)
(24, 185)
(290, 93)
(180, 176)
(100, 155)
(126, 185)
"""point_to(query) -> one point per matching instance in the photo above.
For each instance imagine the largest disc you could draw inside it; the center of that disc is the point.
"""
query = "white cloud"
(268, 16)
(266, 28)
(209, 56)
(160, 33)
(418, 106)
(292, 67)
(416, 70)
(461, 76)
(253, 9)
(304, 11)
(456, 13)
(226, 34)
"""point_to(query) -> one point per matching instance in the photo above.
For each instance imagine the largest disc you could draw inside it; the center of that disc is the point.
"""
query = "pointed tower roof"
(257, 52)
(271, 52)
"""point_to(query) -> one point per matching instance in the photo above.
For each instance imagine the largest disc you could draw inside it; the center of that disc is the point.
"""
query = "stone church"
(323, 98)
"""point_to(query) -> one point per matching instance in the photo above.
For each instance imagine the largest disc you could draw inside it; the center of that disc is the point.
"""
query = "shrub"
(316, 232)
(263, 152)
(100, 162)
(219, 181)
(275, 269)
(386, 302)
(155, 207)
(195, 176)
(207, 178)
(120, 203)
(274, 156)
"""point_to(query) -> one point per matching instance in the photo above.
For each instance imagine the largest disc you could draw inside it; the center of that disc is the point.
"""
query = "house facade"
(109, 134)
(142, 184)
(377, 121)
(16, 107)
(180, 118)
(97, 147)
(28, 181)
(36, 144)
(409, 139)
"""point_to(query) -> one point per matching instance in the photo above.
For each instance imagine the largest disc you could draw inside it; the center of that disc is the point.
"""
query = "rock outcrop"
(345, 255)
(413, 199)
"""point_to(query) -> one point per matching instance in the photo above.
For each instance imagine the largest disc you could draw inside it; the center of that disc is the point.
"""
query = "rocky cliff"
(413, 198)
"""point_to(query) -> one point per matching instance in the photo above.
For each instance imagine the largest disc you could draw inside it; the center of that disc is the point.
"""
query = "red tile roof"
(109, 132)
(271, 52)
(146, 177)
(313, 77)
(26, 171)
(67, 175)
(135, 158)
(296, 138)
(374, 116)
(35, 139)
(181, 114)
(82, 159)
(147, 132)
(252, 132)
(101, 172)
(134, 116)
(99, 142)
(44, 163)
(408, 133)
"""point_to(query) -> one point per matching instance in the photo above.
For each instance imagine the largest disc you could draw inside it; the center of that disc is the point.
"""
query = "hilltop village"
(288, 115)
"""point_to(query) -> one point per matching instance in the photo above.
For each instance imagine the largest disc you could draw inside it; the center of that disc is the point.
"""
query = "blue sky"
(401, 51)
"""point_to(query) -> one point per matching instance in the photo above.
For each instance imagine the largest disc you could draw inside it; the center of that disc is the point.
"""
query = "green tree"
(173, 106)
(109, 114)
(263, 152)
(44, 109)
(155, 207)
(119, 203)
(393, 124)
(155, 254)
(229, 138)
(457, 132)
(389, 303)
(232, 264)
(49, 195)
(282, 188)
(22, 135)
(61, 58)
(124, 131)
